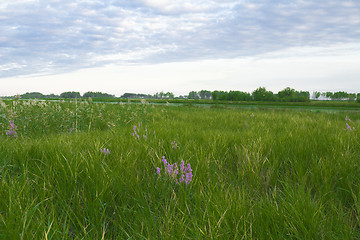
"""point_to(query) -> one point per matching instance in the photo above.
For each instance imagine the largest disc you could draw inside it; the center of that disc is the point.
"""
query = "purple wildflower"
(176, 170)
(170, 169)
(182, 178)
(11, 132)
(106, 151)
(164, 160)
(182, 166)
(158, 171)
(347, 118)
(184, 174)
(188, 168)
(174, 145)
(188, 177)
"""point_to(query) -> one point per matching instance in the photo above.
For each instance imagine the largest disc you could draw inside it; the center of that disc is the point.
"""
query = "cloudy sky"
(147, 46)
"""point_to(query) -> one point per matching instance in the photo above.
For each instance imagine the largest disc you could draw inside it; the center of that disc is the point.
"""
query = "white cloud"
(328, 68)
(179, 6)
(73, 35)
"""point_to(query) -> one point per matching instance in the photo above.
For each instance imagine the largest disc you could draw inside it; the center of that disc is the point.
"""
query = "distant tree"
(222, 95)
(291, 95)
(70, 95)
(261, 94)
(52, 96)
(193, 95)
(159, 95)
(358, 98)
(97, 95)
(238, 96)
(169, 95)
(215, 95)
(351, 97)
(316, 95)
(205, 94)
(303, 96)
(329, 95)
(340, 95)
(287, 93)
(31, 95)
(136, 95)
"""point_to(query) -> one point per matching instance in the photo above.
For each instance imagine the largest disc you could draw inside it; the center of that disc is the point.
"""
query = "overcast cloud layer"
(57, 36)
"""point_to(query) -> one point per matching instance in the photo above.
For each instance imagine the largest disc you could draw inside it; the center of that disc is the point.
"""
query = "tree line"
(341, 95)
(260, 94)
(38, 95)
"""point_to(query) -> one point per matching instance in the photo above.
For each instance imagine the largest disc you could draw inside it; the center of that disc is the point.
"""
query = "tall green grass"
(258, 174)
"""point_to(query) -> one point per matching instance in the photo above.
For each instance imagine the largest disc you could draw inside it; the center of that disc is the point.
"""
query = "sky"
(148, 46)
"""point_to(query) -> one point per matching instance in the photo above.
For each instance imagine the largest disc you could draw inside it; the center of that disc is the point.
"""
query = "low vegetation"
(85, 170)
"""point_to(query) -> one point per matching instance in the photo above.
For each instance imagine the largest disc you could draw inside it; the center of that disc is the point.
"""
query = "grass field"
(83, 170)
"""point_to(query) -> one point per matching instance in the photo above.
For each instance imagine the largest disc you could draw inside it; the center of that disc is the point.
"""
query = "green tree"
(32, 95)
(351, 97)
(70, 95)
(329, 95)
(287, 93)
(261, 94)
(97, 95)
(239, 96)
(169, 95)
(316, 94)
(204, 94)
(193, 95)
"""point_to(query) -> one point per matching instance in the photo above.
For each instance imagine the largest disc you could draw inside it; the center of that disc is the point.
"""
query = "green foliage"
(162, 95)
(38, 95)
(204, 94)
(261, 94)
(291, 95)
(97, 95)
(32, 95)
(70, 95)
(317, 94)
(193, 95)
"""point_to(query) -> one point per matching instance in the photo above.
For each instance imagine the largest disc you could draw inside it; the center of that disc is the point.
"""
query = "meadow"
(86, 170)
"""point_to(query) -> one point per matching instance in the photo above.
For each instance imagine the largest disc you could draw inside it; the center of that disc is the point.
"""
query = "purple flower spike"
(170, 169)
(188, 168)
(182, 178)
(176, 174)
(348, 127)
(164, 161)
(188, 177)
(182, 166)
(11, 132)
(105, 151)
